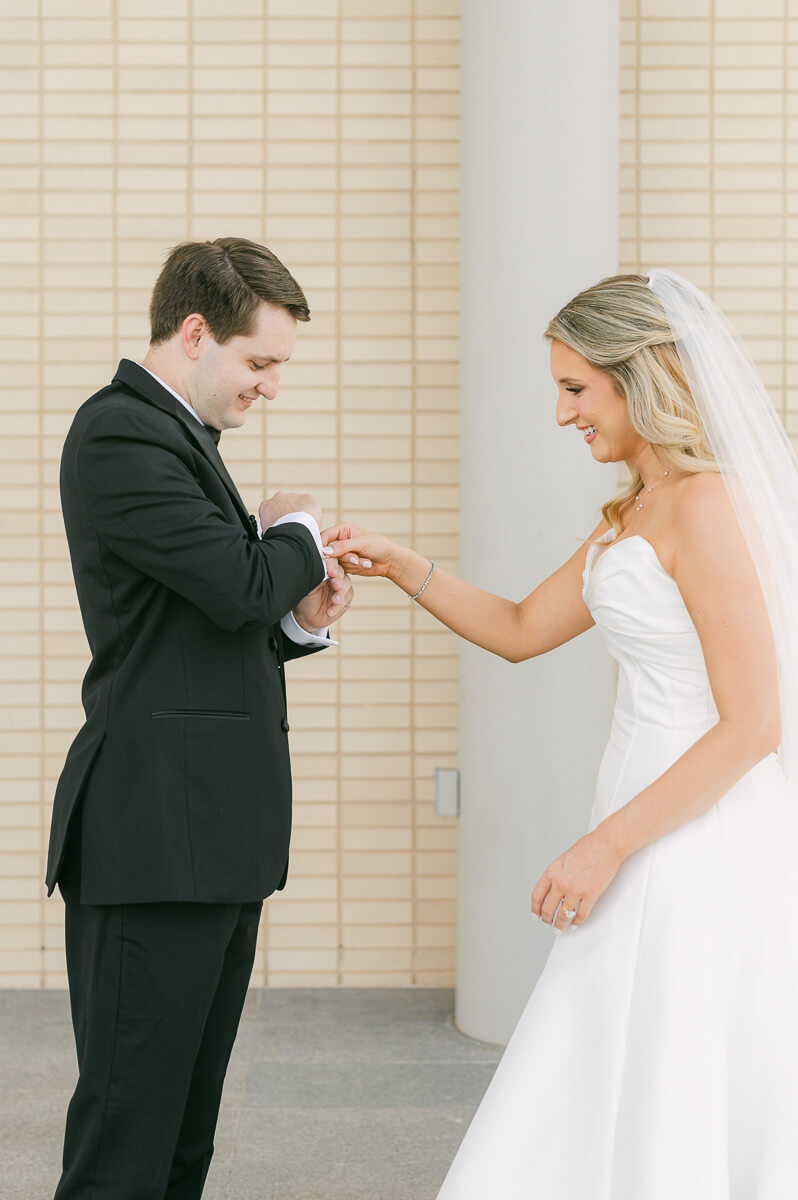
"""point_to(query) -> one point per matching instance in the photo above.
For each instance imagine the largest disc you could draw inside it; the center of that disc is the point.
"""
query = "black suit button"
(273, 644)
(284, 725)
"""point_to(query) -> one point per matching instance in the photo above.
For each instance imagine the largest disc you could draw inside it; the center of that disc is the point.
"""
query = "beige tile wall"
(709, 178)
(329, 130)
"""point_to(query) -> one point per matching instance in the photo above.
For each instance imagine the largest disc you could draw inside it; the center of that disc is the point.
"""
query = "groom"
(172, 815)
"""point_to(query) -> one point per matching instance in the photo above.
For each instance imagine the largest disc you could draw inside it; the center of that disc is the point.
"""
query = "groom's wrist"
(303, 624)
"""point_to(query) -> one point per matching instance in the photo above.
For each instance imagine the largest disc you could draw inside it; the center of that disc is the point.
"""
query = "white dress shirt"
(289, 624)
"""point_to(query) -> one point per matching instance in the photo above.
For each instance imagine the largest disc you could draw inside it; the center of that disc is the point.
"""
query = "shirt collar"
(176, 395)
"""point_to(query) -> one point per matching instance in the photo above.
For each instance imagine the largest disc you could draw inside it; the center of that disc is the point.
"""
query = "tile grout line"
(265, 924)
(413, 489)
(339, 781)
(43, 782)
(638, 169)
(190, 139)
(115, 175)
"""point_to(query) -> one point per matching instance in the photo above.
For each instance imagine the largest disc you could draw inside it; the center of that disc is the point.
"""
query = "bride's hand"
(362, 553)
(580, 875)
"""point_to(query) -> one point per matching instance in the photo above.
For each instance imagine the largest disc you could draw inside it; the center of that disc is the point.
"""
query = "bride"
(657, 1056)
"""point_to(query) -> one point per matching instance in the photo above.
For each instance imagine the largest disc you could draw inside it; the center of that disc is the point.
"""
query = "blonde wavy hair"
(620, 327)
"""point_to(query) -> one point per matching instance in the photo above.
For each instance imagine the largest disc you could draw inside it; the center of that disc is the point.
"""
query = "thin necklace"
(645, 491)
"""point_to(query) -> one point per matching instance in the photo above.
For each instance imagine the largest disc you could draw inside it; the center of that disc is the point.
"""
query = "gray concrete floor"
(351, 1094)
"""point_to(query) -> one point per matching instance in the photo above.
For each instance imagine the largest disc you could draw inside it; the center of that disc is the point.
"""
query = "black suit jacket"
(180, 774)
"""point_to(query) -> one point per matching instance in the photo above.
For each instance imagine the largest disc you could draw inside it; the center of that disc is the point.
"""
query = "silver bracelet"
(426, 581)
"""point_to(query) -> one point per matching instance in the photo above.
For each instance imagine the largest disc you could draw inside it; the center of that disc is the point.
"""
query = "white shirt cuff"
(291, 628)
(289, 624)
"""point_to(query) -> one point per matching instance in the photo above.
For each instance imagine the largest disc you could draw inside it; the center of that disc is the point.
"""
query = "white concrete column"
(539, 208)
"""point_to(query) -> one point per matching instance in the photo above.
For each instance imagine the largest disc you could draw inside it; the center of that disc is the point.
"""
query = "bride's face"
(587, 399)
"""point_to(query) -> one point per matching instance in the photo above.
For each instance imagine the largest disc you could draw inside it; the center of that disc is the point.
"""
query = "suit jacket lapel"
(141, 382)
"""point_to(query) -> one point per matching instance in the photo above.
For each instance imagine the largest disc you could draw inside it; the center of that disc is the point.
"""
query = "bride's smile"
(587, 399)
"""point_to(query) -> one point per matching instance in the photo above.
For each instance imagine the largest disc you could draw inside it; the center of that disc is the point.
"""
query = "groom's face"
(228, 379)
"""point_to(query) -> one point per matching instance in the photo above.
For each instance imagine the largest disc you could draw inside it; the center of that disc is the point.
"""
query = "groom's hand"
(283, 503)
(326, 603)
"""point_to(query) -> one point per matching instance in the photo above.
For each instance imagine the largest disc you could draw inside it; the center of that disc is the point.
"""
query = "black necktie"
(215, 433)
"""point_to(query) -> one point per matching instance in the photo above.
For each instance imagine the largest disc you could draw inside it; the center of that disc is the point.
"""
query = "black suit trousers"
(156, 992)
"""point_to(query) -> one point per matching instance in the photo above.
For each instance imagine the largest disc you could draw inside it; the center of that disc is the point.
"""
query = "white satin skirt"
(657, 1057)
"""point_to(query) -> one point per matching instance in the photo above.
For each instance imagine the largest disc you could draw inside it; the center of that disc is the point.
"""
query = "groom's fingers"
(338, 578)
(341, 590)
(346, 591)
(338, 606)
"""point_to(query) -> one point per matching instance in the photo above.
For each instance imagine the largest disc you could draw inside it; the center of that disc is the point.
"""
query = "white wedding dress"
(657, 1057)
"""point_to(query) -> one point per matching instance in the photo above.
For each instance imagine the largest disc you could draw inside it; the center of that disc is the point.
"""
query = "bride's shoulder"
(702, 510)
(700, 492)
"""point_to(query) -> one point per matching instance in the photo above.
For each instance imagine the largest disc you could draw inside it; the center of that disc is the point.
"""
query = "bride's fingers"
(550, 907)
(333, 533)
(352, 565)
(338, 547)
(562, 919)
(350, 550)
(362, 569)
(539, 896)
(336, 533)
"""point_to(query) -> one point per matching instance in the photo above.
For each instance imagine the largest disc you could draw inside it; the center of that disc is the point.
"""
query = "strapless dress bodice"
(637, 605)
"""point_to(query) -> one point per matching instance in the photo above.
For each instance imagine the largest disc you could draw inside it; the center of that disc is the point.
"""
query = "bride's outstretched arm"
(720, 588)
(550, 615)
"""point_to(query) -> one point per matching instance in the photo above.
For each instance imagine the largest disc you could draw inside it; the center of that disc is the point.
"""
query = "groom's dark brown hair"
(225, 280)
